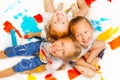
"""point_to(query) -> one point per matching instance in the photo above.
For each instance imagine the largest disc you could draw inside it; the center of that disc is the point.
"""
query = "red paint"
(110, 0)
(9, 26)
(89, 2)
(115, 43)
(50, 77)
(25, 36)
(38, 18)
(72, 73)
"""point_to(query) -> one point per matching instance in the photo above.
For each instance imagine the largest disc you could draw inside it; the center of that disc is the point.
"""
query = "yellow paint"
(107, 34)
(31, 77)
(99, 72)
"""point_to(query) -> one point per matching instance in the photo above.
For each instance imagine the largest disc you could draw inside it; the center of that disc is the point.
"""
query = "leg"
(7, 72)
(27, 64)
(2, 54)
(49, 6)
(23, 50)
(83, 8)
(85, 71)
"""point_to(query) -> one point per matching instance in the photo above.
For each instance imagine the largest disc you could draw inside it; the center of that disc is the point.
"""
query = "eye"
(55, 22)
(77, 35)
(63, 22)
(86, 31)
(63, 52)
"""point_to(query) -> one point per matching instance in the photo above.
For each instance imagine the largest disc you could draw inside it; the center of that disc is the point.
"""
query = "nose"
(83, 37)
(59, 18)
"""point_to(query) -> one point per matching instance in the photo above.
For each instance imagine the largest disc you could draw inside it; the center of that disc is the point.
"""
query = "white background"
(110, 64)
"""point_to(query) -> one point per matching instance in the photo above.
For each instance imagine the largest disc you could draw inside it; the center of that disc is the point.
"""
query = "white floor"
(100, 8)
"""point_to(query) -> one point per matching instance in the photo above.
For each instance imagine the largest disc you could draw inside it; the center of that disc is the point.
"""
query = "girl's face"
(62, 48)
(59, 23)
(83, 33)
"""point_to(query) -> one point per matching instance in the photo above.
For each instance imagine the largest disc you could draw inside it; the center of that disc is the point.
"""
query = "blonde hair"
(77, 50)
(77, 20)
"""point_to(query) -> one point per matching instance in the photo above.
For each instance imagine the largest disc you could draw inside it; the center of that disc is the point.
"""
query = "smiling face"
(82, 30)
(59, 24)
(83, 33)
(63, 48)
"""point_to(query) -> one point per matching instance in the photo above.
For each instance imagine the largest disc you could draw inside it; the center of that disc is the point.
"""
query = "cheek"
(78, 39)
(90, 35)
(58, 55)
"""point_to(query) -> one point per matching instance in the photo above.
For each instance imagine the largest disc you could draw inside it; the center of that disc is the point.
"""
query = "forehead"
(82, 26)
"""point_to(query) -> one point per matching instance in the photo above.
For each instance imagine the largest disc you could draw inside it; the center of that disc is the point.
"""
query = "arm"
(30, 34)
(49, 6)
(97, 47)
(82, 62)
(85, 71)
(83, 8)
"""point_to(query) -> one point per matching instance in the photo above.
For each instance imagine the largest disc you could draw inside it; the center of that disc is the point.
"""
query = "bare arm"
(95, 50)
(37, 34)
(85, 71)
(81, 62)
(49, 6)
(83, 8)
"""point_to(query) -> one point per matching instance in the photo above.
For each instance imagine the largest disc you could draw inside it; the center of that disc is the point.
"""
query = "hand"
(29, 35)
(60, 6)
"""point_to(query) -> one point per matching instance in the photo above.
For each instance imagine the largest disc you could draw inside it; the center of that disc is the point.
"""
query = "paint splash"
(31, 77)
(9, 26)
(115, 43)
(50, 77)
(73, 73)
(110, 0)
(29, 25)
(38, 18)
(97, 23)
(89, 2)
(104, 36)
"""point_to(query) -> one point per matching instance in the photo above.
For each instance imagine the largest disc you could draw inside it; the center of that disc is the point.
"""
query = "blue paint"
(98, 28)
(13, 37)
(96, 24)
(29, 25)
(104, 19)
(19, 14)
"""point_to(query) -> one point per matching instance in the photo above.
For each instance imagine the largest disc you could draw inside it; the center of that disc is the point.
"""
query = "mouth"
(86, 41)
(59, 14)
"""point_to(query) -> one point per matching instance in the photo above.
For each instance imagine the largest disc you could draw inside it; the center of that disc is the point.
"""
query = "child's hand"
(60, 6)
(29, 35)
(74, 9)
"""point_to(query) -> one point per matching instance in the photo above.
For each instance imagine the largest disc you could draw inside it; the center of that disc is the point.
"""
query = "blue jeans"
(25, 50)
